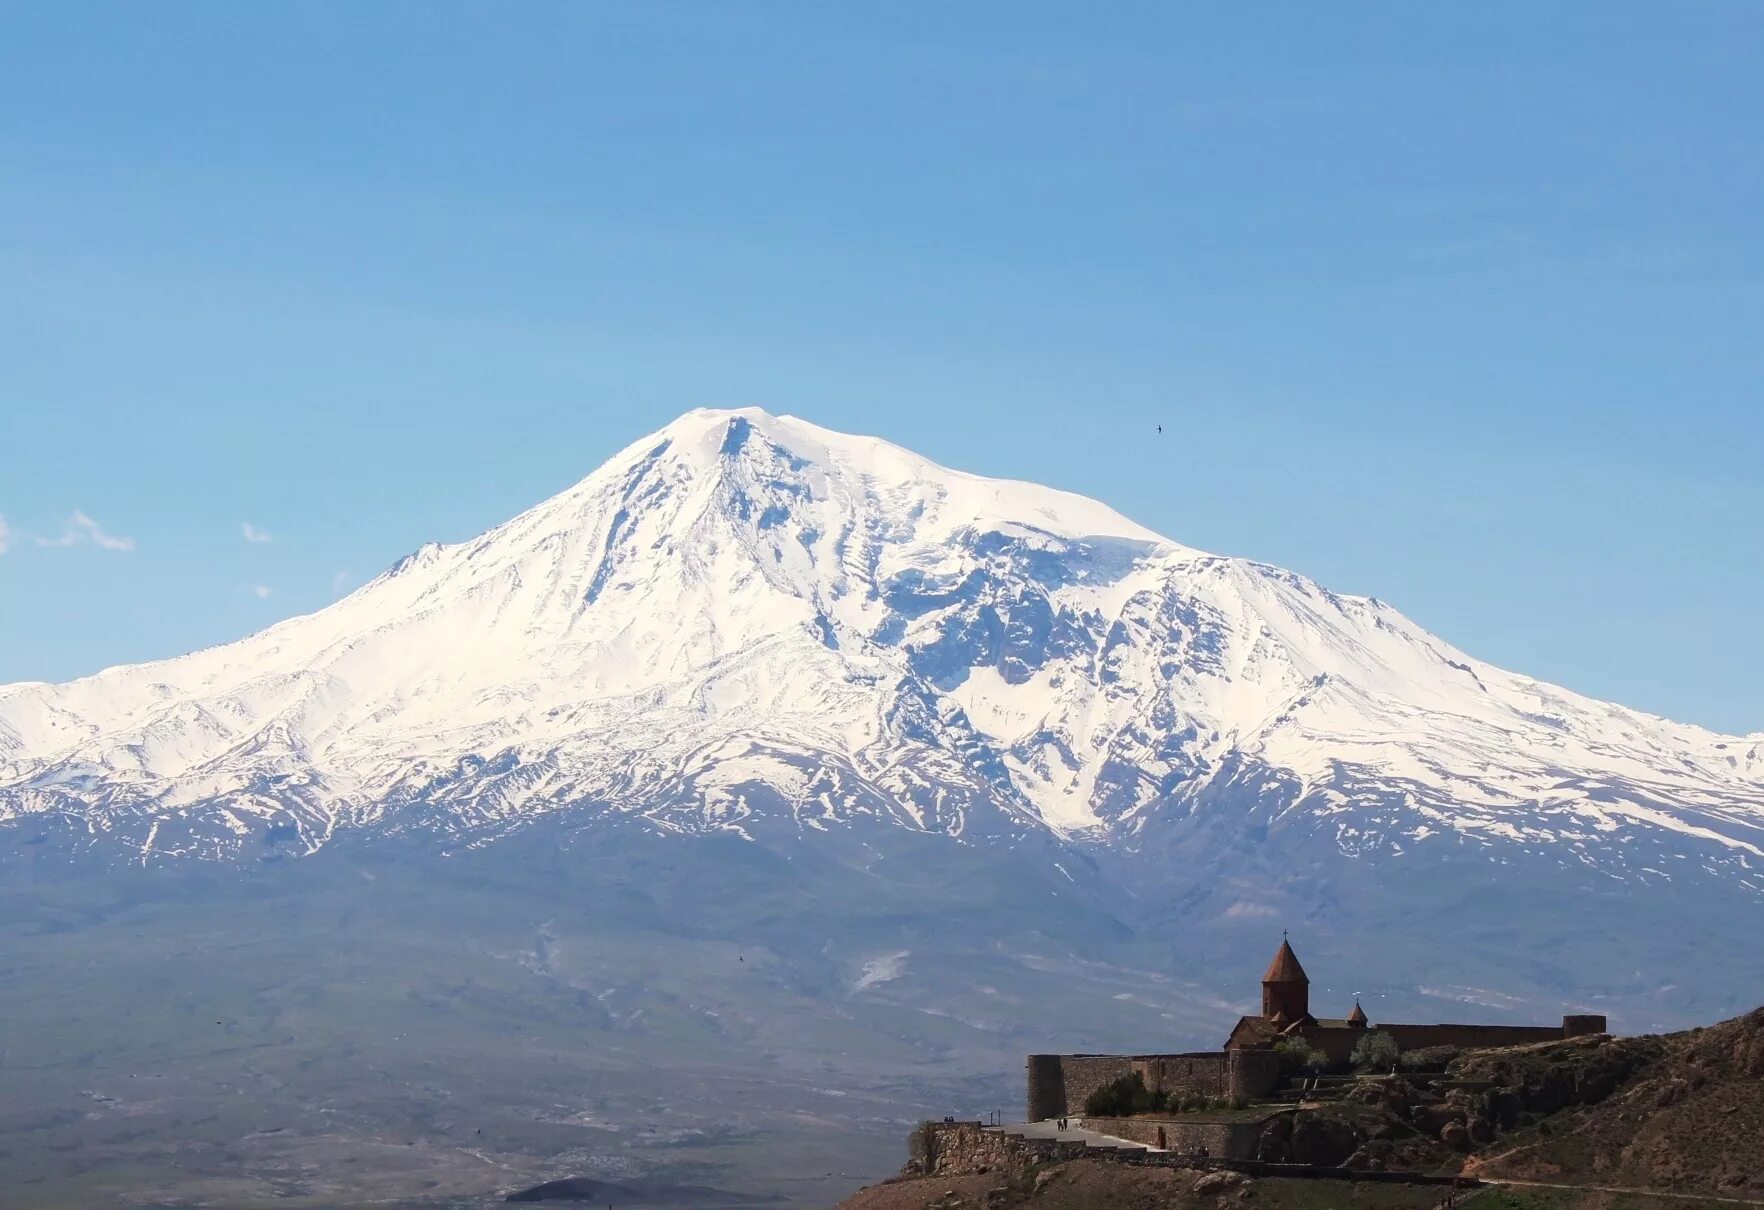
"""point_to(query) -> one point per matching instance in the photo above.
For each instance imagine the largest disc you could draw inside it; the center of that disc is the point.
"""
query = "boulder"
(1218, 1182)
(1394, 1094)
(1275, 1144)
(1327, 1141)
(1455, 1135)
(1431, 1119)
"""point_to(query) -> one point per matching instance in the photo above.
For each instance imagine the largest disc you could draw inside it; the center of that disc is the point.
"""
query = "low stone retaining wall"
(965, 1148)
(968, 1148)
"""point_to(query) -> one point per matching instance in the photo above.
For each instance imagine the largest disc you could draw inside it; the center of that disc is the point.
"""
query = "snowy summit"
(748, 623)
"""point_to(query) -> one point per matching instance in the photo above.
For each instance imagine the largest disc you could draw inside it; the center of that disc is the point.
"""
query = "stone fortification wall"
(1189, 1075)
(1252, 1074)
(1579, 1025)
(1469, 1037)
(1338, 1044)
(1060, 1084)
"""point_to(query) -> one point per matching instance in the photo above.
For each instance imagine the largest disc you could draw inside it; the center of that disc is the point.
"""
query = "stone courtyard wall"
(1251, 1074)
(1217, 1140)
(1060, 1084)
(1469, 1037)
(1189, 1075)
(1338, 1043)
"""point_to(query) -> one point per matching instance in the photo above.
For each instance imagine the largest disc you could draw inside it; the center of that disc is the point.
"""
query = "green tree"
(1298, 1055)
(1376, 1051)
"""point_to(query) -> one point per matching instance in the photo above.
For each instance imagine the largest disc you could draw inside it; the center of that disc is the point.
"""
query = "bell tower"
(1286, 989)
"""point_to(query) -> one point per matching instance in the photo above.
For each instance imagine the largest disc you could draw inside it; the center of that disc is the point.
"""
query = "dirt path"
(1690, 1197)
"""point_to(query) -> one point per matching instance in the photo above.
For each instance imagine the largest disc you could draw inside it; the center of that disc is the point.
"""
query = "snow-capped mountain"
(750, 624)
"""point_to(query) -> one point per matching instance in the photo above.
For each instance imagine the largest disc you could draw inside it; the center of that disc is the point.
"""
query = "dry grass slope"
(1688, 1117)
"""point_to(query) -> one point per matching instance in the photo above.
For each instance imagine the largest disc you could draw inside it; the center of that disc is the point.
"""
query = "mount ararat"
(748, 624)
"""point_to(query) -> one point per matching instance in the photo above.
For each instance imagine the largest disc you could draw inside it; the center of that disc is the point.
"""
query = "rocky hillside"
(1682, 1112)
(1598, 1120)
(1677, 1113)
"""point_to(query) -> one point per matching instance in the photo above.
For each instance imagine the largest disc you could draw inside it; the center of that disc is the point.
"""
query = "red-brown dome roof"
(1285, 968)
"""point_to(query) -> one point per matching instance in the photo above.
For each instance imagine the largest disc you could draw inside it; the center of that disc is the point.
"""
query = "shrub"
(1428, 1059)
(1237, 1101)
(1120, 1098)
(1376, 1051)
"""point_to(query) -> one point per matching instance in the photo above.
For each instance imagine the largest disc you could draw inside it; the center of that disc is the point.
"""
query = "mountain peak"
(746, 621)
(711, 440)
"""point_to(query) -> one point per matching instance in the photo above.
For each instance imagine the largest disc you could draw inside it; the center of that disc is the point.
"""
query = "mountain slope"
(749, 623)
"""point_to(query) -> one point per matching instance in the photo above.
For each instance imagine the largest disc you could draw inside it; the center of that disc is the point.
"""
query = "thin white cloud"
(5, 536)
(339, 581)
(254, 534)
(98, 536)
(260, 591)
(81, 528)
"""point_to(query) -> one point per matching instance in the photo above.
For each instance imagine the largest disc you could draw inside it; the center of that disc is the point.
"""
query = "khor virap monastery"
(1249, 1066)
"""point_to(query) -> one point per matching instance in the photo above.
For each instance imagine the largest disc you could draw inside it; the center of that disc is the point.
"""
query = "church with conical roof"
(1286, 1013)
(1249, 1066)
(1286, 1007)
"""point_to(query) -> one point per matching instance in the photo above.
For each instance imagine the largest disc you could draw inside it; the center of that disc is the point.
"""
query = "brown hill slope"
(1682, 1113)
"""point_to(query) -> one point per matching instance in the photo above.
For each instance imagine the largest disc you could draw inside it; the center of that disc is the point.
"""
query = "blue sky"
(1458, 307)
